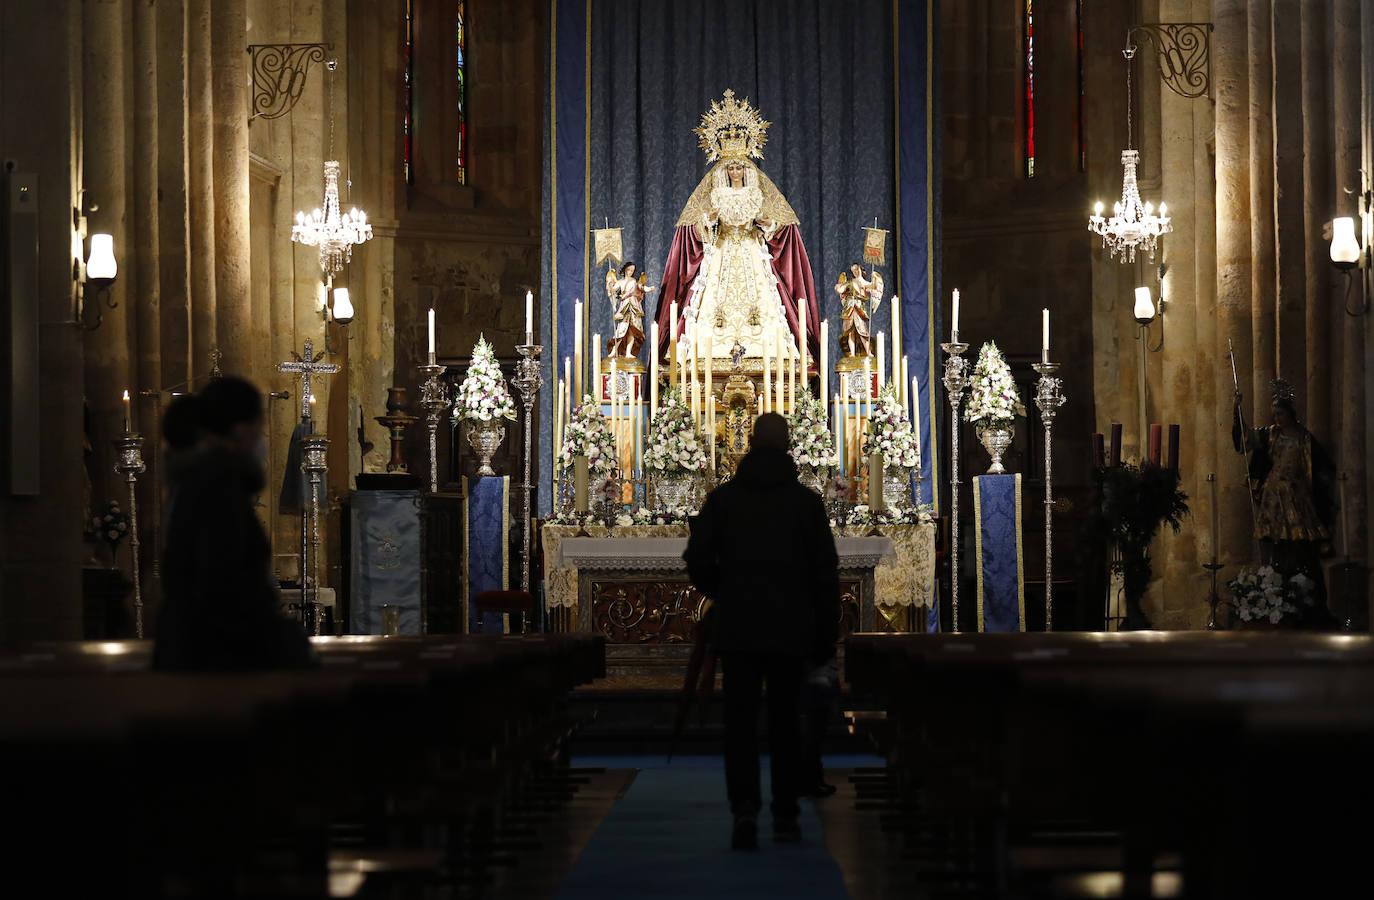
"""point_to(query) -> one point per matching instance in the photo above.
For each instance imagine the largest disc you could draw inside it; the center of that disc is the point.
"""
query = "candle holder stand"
(314, 463)
(528, 379)
(1049, 396)
(956, 382)
(434, 400)
(1214, 598)
(130, 464)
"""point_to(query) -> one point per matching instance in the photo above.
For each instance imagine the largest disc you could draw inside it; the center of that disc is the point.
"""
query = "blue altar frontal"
(1001, 573)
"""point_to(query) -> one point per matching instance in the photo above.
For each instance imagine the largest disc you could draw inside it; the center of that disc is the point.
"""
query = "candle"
(766, 395)
(529, 317)
(578, 356)
(835, 425)
(615, 404)
(954, 324)
(882, 361)
(897, 374)
(866, 403)
(692, 362)
(825, 359)
(805, 348)
(1156, 438)
(707, 380)
(915, 412)
(1173, 447)
(1099, 449)
(844, 423)
(568, 386)
(778, 406)
(908, 404)
(711, 428)
(1045, 335)
(1216, 515)
(596, 369)
(653, 370)
(1116, 443)
(128, 414)
(793, 360)
(673, 376)
(431, 335)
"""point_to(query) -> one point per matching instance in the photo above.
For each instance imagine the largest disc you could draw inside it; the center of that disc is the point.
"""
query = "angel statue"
(737, 266)
(627, 309)
(859, 299)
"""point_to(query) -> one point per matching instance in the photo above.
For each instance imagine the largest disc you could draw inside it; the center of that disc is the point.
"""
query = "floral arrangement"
(812, 443)
(889, 432)
(992, 394)
(674, 444)
(865, 515)
(483, 395)
(587, 434)
(1266, 595)
(110, 526)
(625, 518)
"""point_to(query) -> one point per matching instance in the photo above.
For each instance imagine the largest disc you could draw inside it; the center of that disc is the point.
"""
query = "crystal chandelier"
(1133, 225)
(330, 229)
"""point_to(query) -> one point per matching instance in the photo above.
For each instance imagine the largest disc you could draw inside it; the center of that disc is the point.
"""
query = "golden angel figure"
(859, 299)
(627, 294)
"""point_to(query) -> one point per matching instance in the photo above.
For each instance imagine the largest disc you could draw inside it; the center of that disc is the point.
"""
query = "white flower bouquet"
(992, 391)
(812, 443)
(1265, 595)
(483, 395)
(863, 515)
(674, 447)
(587, 434)
(889, 433)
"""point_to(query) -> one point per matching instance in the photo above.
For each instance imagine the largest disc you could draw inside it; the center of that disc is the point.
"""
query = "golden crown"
(732, 129)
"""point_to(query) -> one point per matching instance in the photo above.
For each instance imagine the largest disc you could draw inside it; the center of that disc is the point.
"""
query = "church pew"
(1112, 729)
(293, 753)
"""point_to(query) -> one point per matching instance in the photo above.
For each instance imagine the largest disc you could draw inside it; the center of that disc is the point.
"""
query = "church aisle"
(669, 836)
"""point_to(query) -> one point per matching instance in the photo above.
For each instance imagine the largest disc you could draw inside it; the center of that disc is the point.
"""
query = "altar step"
(632, 709)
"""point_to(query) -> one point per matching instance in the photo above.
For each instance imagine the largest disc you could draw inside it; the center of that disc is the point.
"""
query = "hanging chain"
(1129, 53)
(332, 65)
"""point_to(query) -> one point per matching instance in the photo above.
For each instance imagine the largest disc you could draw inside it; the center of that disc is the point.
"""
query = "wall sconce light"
(101, 271)
(343, 307)
(1144, 307)
(1347, 255)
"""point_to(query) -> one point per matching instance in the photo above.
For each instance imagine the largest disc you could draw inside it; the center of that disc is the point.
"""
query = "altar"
(629, 583)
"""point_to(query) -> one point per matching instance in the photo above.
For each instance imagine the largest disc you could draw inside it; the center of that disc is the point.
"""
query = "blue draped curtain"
(844, 85)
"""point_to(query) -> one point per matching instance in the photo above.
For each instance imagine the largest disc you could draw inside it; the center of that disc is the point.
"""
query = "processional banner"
(627, 81)
(1001, 574)
(486, 546)
(385, 560)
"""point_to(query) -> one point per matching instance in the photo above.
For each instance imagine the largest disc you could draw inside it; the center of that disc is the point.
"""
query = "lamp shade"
(1345, 247)
(101, 263)
(343, 307)
(1144, 306)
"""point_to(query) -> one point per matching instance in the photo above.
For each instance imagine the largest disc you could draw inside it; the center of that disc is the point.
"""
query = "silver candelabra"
(314, 453)
(130, 465)
(1049, 396)
(433, 400)
(956, 382)
(528, 379)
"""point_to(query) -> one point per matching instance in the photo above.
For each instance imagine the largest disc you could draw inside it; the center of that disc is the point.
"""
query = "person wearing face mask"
(221, 610)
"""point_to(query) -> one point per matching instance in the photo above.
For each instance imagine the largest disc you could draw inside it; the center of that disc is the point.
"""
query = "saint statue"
(627, 309)
(859, 299)
(1292, 478)
(737, 267)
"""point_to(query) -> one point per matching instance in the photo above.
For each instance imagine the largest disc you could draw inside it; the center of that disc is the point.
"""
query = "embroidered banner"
(486, 546)
(385, 562)
(1001, 579)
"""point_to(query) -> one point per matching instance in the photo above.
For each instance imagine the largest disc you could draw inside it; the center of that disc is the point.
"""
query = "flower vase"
(485, 436)
(995, 436)
(813, 477)
(896, 488)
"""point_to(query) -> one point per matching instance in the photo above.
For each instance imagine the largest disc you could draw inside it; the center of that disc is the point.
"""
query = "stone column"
(1289, 230)
(107, 350)
(1210, 417)
(145, 191)
(1316, 138)
(1263, 274)
(1230, 75)
(173, 211)
(201, 179)
(1346, 108)
(233, 306)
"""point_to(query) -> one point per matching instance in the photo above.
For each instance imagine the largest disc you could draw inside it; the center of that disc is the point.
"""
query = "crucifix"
(306, 366)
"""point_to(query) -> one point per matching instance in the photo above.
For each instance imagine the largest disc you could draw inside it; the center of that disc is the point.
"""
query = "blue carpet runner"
(669, 837)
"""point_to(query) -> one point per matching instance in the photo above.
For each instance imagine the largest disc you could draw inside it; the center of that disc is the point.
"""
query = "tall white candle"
(844, 424)
(579, 357)
(529, 317)
(916, 416)
(567, 387)
(615, 409)
(707, 376)
(596, 368)
(903, 377)
(711, 428)
(765, 394)
(867, 401)
(825, 359)
(882, 360)
(1045, 335)
(897, 347)
(128, 414)
(692, 363)
(954, 324)
(837, 424)
(778, 404)
(431, 335)
(653, 370)
(804, 347)
(674, 372)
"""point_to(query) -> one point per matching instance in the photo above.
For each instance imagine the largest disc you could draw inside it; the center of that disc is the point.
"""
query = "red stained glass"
(1030, 88)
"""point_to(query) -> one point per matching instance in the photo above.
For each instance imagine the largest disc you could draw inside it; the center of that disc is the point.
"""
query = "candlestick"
(867, 402)
(529, 317)
(129, 463)
(882, 361)
(692, 365)
(1216, 515)
(1045, 335)
(596, 369)
(431, 335)
(805, 349)
(956, 382)
(778, 404)
(843, 447)
(837, 425)
(653, 371)
(1213, 567)
(915, 415)
(711, 429)
(903, 379)
(954, 324)
(707, 378)
(433, 400)
(615, 403)
(568, 389)
(825, 359)
(579, 358)
(674, 378)
(1049, 396)
(527, 380)
(898, 373)
(128, 415)
(766, 394)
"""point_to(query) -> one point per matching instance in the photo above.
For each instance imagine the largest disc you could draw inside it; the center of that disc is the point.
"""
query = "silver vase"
(673, 491)
(996, 438)
(814, 477)
(485, 437)
(896, 488)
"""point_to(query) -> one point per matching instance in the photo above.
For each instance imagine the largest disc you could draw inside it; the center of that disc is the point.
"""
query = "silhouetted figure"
(221, 610)
(762, 550)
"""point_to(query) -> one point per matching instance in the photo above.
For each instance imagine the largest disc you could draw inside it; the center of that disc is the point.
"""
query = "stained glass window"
(461, 50)
(1030, 88)
(407, 89)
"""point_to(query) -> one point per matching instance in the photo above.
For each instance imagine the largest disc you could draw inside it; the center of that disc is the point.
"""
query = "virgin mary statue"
(737, 268)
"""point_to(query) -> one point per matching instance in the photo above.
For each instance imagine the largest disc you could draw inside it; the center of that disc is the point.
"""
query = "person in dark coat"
(221, 611)
(762, 551)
